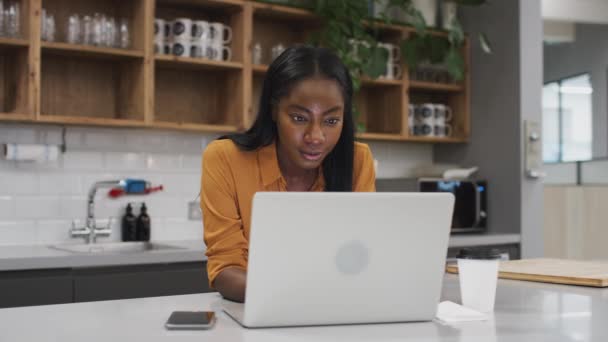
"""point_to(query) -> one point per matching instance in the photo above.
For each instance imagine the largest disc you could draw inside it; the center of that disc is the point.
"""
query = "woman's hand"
(231, 283)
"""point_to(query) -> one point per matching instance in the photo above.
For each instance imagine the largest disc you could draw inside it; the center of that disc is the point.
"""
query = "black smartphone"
(190, 320)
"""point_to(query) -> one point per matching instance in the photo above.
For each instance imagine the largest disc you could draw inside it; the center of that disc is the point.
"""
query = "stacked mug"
(393, 69)
(185, 37)
(430, 120)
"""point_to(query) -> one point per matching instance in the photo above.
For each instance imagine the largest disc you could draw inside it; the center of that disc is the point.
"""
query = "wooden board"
(558, 271)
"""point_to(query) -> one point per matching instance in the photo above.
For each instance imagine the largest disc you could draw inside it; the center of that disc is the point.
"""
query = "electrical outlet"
(194, 211)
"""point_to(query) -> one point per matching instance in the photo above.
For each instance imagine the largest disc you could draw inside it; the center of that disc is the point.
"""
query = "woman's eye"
(298, 118)
(332, 121)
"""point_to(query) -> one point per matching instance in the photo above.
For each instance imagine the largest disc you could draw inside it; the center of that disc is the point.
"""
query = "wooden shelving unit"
(13, 42)
(68, 50)
(435, 87)
(61, 83)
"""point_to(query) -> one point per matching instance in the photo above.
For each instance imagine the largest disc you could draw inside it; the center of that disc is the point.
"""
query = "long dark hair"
(293, 65)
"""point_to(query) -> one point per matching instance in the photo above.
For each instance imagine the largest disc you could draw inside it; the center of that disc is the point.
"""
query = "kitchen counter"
(28, 257)
(525, 311)
(45, 257)
(470, 240)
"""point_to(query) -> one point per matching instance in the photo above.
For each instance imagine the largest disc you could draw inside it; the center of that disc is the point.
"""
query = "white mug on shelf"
(201, 30)
(424, 117)
(218, 52)
(159, 30)
(443, 115)
(410, 118)
(181, 49)
(393, 71)
(181, 30)
(159, 47)
(220, 33)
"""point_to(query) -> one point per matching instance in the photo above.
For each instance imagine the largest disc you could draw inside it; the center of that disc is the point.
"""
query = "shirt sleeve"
(222, 224)
(365, 175)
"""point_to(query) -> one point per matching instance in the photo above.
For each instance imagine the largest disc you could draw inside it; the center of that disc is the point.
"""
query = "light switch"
(194, 211)
(533, 149)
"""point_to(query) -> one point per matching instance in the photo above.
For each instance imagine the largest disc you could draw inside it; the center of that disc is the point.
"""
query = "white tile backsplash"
(125, 161)
(7, 207)
(40, 207)
(39, 201)
(17, 232)
(19, 183)
(53, 231)
(81, 160)
(55, 183)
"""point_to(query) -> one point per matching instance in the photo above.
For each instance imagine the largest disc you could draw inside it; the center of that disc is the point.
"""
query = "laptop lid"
(345, 258)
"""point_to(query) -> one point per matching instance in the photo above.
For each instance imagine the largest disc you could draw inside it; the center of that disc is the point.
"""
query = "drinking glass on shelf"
(97, 30)
(111, 32)
(87, 30)
(125, 39)
(12, 20)
(2, 21)
(50, 28)
(73, 30)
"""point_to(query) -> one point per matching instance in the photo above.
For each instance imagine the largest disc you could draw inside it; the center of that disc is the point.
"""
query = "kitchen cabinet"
(40, 287)
(61, 83)
(57, 286)
(108, 283)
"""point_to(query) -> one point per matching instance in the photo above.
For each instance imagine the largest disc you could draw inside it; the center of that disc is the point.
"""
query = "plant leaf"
(455, 64)
(376, 63)
(485, 43)
(411, 49)
(456, 35)
(437, 48)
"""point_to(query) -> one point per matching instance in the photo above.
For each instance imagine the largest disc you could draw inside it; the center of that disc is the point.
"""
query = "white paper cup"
(478, 280)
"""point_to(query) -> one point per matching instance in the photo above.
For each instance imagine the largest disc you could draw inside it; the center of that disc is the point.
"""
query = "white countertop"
(524, 311)
(44, 257)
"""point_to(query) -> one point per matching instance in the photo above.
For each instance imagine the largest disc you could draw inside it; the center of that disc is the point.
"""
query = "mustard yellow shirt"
(229, 180)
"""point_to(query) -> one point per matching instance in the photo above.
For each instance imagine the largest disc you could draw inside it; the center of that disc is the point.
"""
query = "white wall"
(38, 201)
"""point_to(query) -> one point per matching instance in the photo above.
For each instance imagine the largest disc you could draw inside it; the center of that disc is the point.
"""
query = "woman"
(302, 140)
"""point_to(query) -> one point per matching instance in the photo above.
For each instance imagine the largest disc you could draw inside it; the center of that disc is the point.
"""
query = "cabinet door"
(106, 283)
(37, 287)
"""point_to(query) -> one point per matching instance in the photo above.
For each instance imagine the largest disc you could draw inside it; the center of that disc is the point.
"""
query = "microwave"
(471, 202)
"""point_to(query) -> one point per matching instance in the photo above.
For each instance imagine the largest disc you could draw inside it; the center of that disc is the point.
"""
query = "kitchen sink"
(116, 247)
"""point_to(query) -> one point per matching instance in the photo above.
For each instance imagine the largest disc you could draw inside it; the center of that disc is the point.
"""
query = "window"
(567, 116)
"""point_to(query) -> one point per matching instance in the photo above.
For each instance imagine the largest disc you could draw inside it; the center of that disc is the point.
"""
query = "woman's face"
(309, 123)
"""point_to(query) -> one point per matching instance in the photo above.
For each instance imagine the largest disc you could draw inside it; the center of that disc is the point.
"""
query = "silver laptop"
(344, 258)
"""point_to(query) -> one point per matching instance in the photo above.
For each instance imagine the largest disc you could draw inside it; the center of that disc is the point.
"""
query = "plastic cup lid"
(479, 254)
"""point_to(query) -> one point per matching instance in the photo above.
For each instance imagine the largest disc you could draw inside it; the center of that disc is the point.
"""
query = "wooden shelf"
(13, 42)
(196, 127)
(434, 139)
(282, 12)
(66, 49)
(380, 82)
(195, 63)
(85, 120)
(380, 136)
(259, 68)
(17, 116)
(435, 87)
(232, 5)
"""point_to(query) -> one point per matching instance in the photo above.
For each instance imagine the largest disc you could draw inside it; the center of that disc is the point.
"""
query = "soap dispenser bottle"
(143, 224)
(129, 225)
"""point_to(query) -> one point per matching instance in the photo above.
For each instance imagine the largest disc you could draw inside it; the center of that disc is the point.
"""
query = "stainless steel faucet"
(90, 231)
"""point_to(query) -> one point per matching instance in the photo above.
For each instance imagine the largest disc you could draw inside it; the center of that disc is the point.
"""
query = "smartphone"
(190, 320)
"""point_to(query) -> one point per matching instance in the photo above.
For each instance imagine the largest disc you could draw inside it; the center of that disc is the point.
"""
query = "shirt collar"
(271, 173)
(269, 164)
